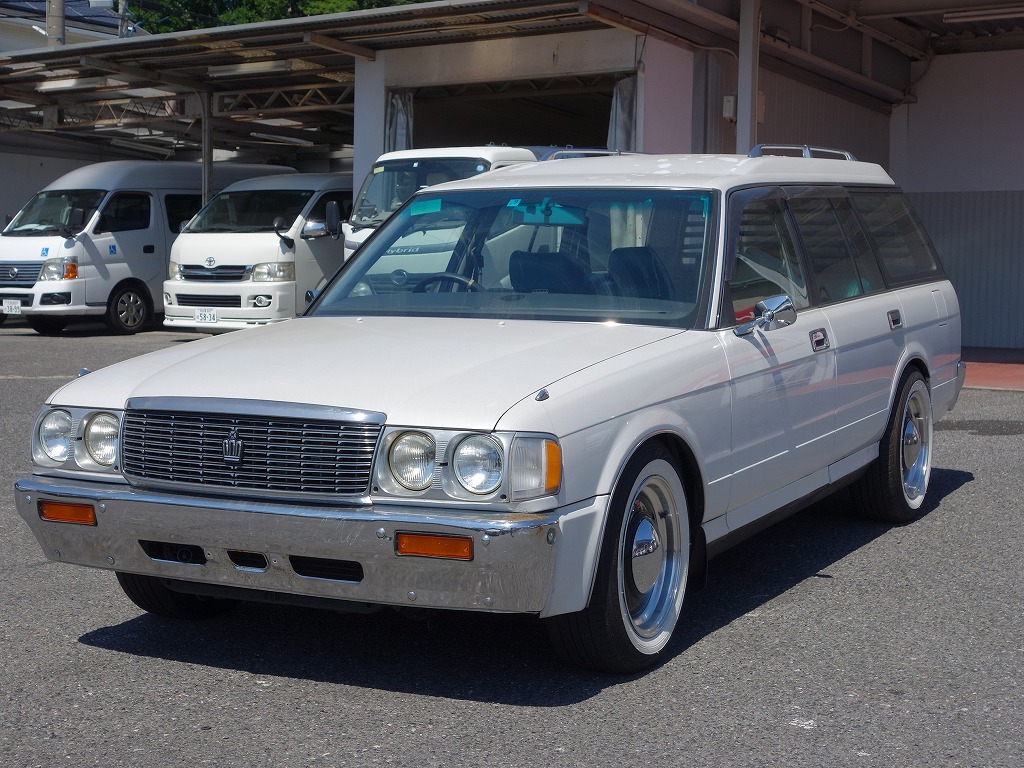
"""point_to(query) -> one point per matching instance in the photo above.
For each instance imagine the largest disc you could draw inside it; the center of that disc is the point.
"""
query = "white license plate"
(206, 315)
(12, 306)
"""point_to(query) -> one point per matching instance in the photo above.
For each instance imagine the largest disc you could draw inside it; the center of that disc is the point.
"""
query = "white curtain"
(622, 122)
(399, 121)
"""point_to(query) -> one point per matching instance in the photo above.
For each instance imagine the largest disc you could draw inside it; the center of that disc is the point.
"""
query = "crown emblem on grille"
(232, 448)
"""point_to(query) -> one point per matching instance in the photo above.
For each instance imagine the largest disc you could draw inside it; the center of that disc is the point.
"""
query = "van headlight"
(174, 271)
(273, 272)
(59, 269)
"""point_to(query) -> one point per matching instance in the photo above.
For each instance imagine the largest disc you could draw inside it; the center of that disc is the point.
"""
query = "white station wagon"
(555, 389)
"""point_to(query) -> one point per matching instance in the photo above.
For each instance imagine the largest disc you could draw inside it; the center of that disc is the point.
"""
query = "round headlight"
(55, 435)
(478, 464)
(412, 460)
(101, 438)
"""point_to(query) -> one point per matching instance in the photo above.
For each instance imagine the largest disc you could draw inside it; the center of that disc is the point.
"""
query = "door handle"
(819, 340)
(895, 319)
(149, 249)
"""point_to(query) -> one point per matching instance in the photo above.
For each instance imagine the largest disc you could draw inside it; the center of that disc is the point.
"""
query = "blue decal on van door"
(112, 250)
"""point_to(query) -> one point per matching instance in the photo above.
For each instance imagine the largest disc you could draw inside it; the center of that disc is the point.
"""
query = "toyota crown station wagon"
(555, 389)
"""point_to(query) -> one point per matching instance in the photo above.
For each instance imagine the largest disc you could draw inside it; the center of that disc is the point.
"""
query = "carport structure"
(291, 83)
(928, 88)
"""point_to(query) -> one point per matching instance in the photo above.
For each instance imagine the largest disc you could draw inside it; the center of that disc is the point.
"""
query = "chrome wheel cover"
(653, 557)
(916, 445)
(130, 309)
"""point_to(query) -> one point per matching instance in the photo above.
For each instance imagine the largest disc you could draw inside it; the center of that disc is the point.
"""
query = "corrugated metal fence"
(980, 238)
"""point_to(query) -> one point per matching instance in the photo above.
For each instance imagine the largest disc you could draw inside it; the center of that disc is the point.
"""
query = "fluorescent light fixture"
(293, 140)
(101, 3)
(250, 68)
(984, 14)
(139, 146)
(71, 83)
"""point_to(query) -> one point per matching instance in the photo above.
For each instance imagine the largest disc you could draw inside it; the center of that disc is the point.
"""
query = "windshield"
(49, 213)
(390, 184)
(632, 256)
(252, 210)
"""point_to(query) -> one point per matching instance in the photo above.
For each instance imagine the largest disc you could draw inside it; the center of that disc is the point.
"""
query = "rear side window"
(839, 254)
(900, 240)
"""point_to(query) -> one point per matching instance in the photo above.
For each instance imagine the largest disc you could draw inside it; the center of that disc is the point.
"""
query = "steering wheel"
(446, 277)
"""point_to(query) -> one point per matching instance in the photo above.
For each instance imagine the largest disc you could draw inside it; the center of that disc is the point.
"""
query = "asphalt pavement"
(825, 640)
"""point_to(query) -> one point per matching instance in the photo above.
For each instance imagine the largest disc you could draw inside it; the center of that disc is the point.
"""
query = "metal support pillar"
(54, 23)
(746, 91)
(207, 132)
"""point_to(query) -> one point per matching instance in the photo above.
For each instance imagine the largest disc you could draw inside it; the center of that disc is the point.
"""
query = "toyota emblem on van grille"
(232, 448)
(210, 261)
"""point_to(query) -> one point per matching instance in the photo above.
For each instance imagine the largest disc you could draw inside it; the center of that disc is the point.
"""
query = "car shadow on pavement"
(492, 657)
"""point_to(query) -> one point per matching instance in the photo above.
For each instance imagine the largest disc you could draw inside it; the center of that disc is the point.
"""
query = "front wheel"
(895, 484)
(128, 310)
(154, 596)
(641, 576)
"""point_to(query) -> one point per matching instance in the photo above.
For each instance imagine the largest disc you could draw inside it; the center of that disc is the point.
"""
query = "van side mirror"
(76, 219)
(333, 219)
(281, 223)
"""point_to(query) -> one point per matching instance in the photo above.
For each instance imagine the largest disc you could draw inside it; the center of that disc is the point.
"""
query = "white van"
(396, 176)
(250, 255)
(95, 242)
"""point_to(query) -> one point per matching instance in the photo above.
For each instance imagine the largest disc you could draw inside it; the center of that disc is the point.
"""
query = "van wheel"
(128, 310)
(154, 596)
(47, 326)
(641, 576)
(895, 484)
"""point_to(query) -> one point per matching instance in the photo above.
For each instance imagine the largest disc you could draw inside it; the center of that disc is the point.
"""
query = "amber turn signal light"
(61, 512)
(431, 545)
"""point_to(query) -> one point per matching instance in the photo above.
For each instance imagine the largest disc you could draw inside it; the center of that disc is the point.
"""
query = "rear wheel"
(128, 310)
(641, 576)
(154, 596)
(895, 484)
(47, 326)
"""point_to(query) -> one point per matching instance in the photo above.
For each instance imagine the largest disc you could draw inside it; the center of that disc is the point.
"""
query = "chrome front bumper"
(511, 570)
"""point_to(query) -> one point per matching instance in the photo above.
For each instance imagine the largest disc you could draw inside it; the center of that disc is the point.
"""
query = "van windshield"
(391, 183)
(49, 213)
(250, 210)
(591, 255)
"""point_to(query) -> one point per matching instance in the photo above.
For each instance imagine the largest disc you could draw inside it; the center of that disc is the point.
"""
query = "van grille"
(286, 455)
(197, 300)
(18, 274)
(229, 273)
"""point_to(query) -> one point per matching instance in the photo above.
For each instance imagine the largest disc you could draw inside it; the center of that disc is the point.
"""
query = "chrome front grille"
(294, 456)
(229, 273)
(19, 274)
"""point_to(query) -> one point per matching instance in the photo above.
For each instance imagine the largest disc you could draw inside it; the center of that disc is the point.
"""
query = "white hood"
(430, 372)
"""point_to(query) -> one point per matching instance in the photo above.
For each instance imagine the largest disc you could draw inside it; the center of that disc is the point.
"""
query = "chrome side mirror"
(314, 229)
(770, 314)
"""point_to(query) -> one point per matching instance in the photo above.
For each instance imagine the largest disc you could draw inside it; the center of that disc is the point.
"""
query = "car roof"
(314, 182)
(721, 172)
(487, 152)
(155, 174)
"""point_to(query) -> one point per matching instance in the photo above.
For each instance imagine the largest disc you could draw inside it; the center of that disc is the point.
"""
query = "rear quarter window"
(903, 247)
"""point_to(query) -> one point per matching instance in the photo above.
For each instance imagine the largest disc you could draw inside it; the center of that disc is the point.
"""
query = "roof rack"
(802, 150)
